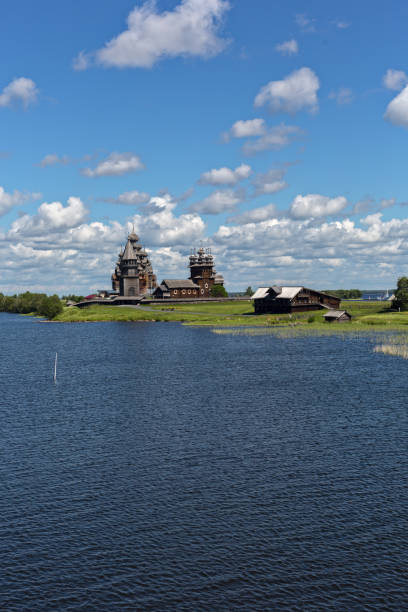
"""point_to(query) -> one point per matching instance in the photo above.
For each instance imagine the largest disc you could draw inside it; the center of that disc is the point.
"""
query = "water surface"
(174, 469)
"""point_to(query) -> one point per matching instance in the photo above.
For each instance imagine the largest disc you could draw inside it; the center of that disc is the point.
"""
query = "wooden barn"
(280, 300)
(337, 316)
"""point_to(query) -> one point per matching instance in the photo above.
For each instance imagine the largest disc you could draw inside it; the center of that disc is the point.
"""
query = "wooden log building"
(203, 276)
(281, 300)
(337, 316)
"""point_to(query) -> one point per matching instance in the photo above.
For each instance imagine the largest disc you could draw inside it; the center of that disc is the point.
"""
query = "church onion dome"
(134, 237)
(219, 279)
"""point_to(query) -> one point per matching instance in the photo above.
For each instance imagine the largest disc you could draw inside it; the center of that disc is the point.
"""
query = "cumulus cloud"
(342, 96)
(159, 226)
(326, 246)
(269, 182)
(395, 79)
(334, 253)
(130, 198)
(21, 90)
(289, 47)
(191, 29)
(116, 164)
(169, 261)
(273, 139)
(10, 200)
(52, 159)
(397, 109)
(52, 217)
(295, 92)
(225, 176)
(246, 129)
(263, 213)
(218, 202)
(315, 205)
(86, 252)
(269, 138)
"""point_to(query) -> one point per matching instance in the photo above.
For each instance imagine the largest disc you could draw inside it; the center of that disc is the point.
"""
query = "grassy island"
(240, 314)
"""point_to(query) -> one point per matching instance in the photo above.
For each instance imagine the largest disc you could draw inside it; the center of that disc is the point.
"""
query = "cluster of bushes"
(345, 294)
(36, 303)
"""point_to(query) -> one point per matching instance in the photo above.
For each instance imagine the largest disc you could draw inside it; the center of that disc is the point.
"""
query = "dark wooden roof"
(174, 283)
(336, 314)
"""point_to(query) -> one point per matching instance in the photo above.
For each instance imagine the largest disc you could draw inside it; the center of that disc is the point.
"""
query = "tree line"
(32, 303)
(345, 294)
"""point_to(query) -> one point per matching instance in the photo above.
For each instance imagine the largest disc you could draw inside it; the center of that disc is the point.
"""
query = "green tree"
(50, 307)
(73, 298)
(249, 291)
(401, 294)
(218, 291)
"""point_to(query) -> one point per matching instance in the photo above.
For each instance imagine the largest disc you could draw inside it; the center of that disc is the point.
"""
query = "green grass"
(241, 307)
(119, 313)
(366, 315)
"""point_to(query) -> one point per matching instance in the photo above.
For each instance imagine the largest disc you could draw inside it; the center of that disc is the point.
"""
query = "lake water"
(173, 469)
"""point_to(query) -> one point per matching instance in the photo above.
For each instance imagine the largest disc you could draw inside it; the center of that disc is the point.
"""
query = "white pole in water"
(55, 367)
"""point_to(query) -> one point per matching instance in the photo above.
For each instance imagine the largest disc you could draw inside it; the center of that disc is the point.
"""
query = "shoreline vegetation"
(365, 314)
(387, 328)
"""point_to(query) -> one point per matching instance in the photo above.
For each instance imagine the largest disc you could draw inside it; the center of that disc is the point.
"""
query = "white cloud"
(246, 129)
(255, 215)
(115, 164)
(218, 202)
(21, 90)
(305, 23)
(158, 226)
(86, 252)
(52, 217)
(395, 79)
(10, 200)
(52, 159)
(225, 176)
(315, 205)
(81, 61)
(295, 92)
(274, 139)
(269, 182)
(269, 138)
(344, 95)
(131, 198)
(289, 47)
(191, 29)
(397, 109)
(333, 253)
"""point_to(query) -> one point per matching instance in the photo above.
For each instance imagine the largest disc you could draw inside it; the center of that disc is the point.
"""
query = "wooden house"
(280, 300)
(177, 289)
(337, 316)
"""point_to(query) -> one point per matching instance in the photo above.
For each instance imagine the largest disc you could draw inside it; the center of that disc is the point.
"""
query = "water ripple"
(174, 469)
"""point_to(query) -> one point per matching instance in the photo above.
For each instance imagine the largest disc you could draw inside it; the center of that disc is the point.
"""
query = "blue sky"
(274, 132)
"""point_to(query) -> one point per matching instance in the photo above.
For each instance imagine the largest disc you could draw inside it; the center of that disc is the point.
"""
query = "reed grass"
(392, 349)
